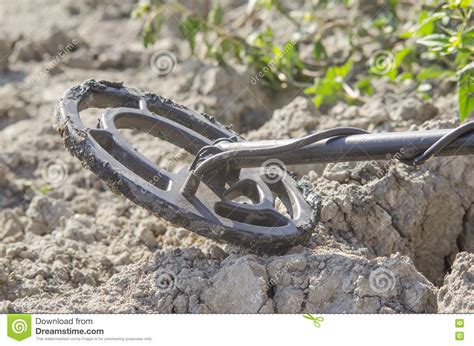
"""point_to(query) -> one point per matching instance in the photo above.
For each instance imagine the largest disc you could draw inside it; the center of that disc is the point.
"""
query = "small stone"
(26, 51)
(76, 230)
(466, 240)
(412, 108)
(60, 271)
(44, 214)
(296, 119)
(181, 304)
(386, 310)
(457, 293)
(83, 59)
(284, 264)
(217, 253)
(122, 259)
(188, 254)
(159, 228)
(11, 229)
(59, 40)
(374, 110)
(182, 233)
(3, 275)
(6, 46)
(5, 175)
(77, 276)
(267, 308)
(240, 286)
(329, 210)
(288, 300)
(5, 306)
(107, 263)
(14, 251)
(146, 237)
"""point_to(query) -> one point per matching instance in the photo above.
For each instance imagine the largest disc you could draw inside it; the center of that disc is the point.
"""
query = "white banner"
(237, 329)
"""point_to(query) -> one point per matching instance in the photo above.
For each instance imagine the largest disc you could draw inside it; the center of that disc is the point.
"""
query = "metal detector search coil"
(204, 196)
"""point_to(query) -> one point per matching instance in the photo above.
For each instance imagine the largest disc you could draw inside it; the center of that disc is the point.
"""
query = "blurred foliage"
(440, 45)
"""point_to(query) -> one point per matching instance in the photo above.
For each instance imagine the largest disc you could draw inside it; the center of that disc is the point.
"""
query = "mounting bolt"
(191, 185)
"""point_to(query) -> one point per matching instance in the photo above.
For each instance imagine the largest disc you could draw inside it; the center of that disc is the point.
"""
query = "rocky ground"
(392, 238)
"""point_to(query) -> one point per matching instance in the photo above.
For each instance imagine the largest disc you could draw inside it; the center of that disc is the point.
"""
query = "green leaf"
(267, 4)
(365, 86)
(318, 101)
(398, 60)
(454, 4)
(467, 39)
(329, 89)
(216, 15)
(434, 40)
(151, 30)
(342, 71)
(264, 39)
(402, 54)
(141, 9)
(219, 50)
(148, 37)
(45, 189)
(431, 72)
(406, 34)
(466, 91)
(190, 27)
(465, 3)
(426, 26)
(319, 52)
(405, 76)
(310, 90)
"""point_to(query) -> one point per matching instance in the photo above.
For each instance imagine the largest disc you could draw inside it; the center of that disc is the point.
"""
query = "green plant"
(220, 40)
(440, 45)
(332, 86)
(448, 36)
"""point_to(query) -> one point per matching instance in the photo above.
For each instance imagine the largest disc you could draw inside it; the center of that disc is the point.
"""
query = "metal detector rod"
(360, 147)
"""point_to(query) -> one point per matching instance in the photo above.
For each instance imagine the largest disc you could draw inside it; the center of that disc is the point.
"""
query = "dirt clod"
(457, 293)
